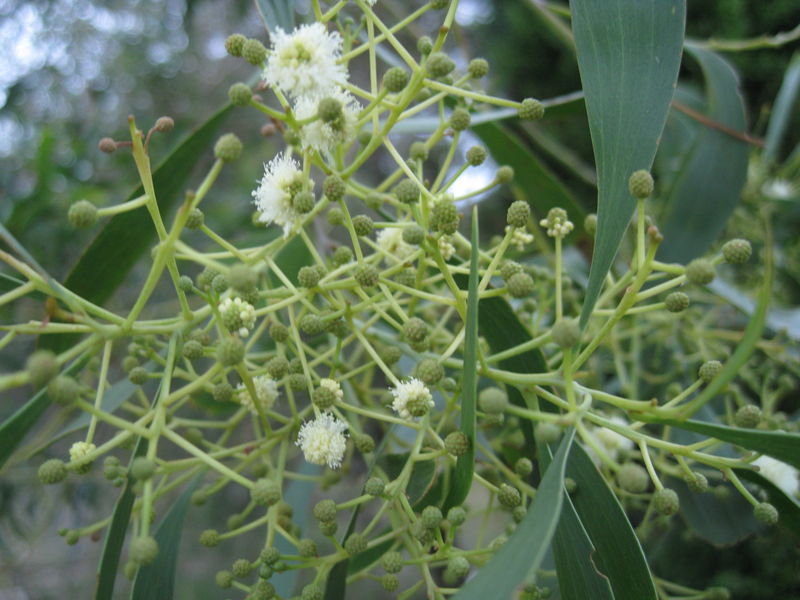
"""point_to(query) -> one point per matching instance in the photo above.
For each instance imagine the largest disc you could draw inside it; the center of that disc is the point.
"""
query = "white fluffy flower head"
(411, 391)
(519, 237)
(282, 180)
(80, 450)
(304, 62)
(390, 240)
(782, 475)
(238, 316)
(333, 386)
(266, 392)
(321, 136)
(323, 441)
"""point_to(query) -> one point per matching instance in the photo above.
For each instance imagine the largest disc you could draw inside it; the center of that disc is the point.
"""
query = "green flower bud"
(748, 416)
(709, 370)
(392, 562)
(415, 330)
(265, 492)
(52, 471)
(590, 224)
(185, 284)
(334, 189)
(362, 225)
(278, 332)
(518, 213)
(696, 482)
(328, 528)
(457, 443)
(307, 548)
(476, 155)
(430, 371)
(456, 516)
(298, 382)
(530, 110)
(504, 174)
(633, 478)
(766, 513)
(303, 202)
(509, 269)
(142, 468)
(329, 110)
(509, 496)
(518, 513)
(209, 538)
(325, 510)
(219, 284)
(424, 45)
(143, 550)
(666, 501)
(566, 333)
(228, 148)
(138, 376)
(42, 367)
(408, 278)
(406, 191)
(224, 579)
(547, 432)
(737, 251)
(477, 68)
(640, 184)
(390, 582)
(269, 556)
(458, 566)
(493, 401)
(431, 517)
(222, 392)
(355, 544)
(700, 272)
(82, 214)
(240, 94)
(323, 397)
(418, 151)
(444, 217)
(241, 567)
(312, 324)
(421, 533)
(230, 351)
(342, 255)
(366, 276)
(676, 302)
(364, 443)
(523, 467)
(254, 52)
(311, 592)
(192, 350)
(277, 367)
(374, 486)
(308, 277)
(413, 234)
(296, 365)
(63, 390)
(439, 65)
(520, 285)
(460, 119)
(235, 43)
(395, 79)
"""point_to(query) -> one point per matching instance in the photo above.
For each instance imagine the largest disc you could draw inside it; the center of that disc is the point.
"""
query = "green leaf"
(777, 444)
(537, 183)
(716, 164)
(788, 506)
(115, 537)
(157, 580)
(782, 110)
(276, 13)
(465, 464)
(628, 56)
(619, 554)
(520, 557)
(574, 552)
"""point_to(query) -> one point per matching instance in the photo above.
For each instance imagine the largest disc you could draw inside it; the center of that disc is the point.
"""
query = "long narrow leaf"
(628, 55)
(782, 110)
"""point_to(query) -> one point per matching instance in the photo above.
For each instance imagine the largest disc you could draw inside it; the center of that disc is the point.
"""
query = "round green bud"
(439, 65)
(311, 592)
(392, 562)
(328, 528)
(523, 467)
(456, 516)
(242, 278)
(325, 510)
(374, 486)
(421, 533)
(509, 269)
(82, 214)
(228, 148)
(224, 579)
(406, 191)
(219, 284)
(138, 376)
(241, 567)
(209, 538)
(508, 496)
(640, 184)
(530, 110)
(192, 350)
(696, 482)
(424, 45)
(329, 110)
(265, 492)
(413, 234)
(766, 513)
(364, 443)
(504, 174)
(312, 324)
(222, 392)
(547, 433)
(269, 556)
(430, 371)
(234, 44)
(143, 550)
(476, 156)
(666, 501)
(277, 367)
(205, 278)
(278, 331)
(395, 79)
(676, 302)
(334, 189)
(185, 284)
(748, 416)
(700, 272)
(518, 513)
(518, 213)
(444, 217)
(590, 224)
(493, 401)
(52, 471)
(374, 200)
(633, 478)
(355, 544)
(42, 367)
(129, 363)
(240, 94)
(449, 384)
(193, 435)
(709, 370)
(307, 548)
(460, 119)
(264, 590)
(362, 225)
(323, 397)
(458, 567)
(390, 582)
(254, 52)
(303, 202)
(456, 443)
(142, 468)
(418, 151)
(566, 333)
(520, 285)
(415, 330)
(366, 276)
(431, 517)
(737, 251)
(408, 278)
(298, 382)
(296, 365)
(308, 277)
(342, 255)
(478, 67)
(63, 390)
(230, 351)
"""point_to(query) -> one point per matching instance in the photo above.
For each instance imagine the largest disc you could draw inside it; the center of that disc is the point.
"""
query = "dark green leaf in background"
(276, 13)
(628, 54)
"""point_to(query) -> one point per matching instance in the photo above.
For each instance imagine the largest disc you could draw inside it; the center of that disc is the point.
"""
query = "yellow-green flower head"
(333, 386)
(80, 450)
(556, 223)
(266, 391)
(282, 180)
(408, 392)
(323, 441)
(304, 62)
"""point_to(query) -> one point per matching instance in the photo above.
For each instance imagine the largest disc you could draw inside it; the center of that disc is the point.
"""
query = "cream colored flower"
(266, 391)
(411, 392)
(323, 441)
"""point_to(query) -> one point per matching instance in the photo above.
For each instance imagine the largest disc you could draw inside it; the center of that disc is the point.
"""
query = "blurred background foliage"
(72, 70)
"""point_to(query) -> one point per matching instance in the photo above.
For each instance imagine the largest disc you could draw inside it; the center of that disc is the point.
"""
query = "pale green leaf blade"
(782, 110)
(628, 54)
